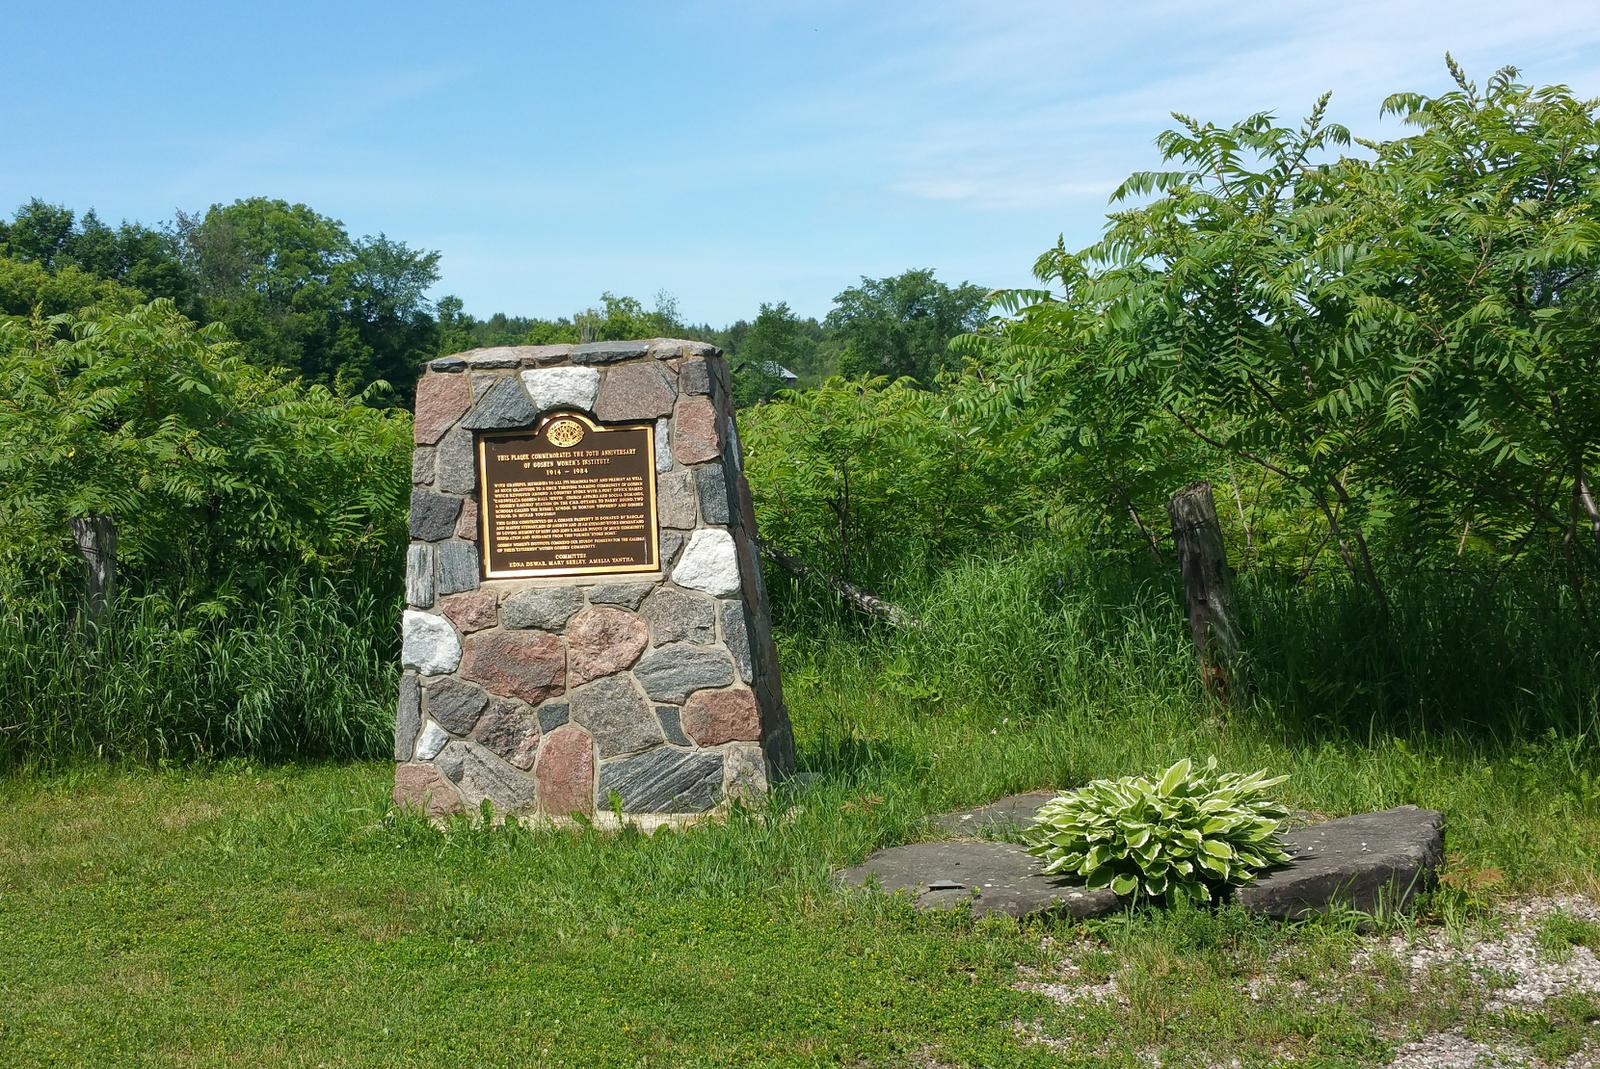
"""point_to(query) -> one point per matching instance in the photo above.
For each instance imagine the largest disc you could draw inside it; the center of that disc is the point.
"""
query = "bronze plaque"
(569, 498)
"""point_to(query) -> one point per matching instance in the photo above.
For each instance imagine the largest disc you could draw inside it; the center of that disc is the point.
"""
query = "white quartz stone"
(562, 387)
(428, 643)
(710, 563)
(431, 741)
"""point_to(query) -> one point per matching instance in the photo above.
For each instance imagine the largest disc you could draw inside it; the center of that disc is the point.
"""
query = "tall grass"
(305, 668)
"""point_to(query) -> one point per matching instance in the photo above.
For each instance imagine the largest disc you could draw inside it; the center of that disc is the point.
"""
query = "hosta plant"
(1182, 837)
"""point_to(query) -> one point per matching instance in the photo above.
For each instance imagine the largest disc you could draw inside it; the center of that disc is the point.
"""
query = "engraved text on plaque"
(570, 498)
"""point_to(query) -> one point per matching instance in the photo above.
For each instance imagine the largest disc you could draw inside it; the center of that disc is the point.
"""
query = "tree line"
(298, 292)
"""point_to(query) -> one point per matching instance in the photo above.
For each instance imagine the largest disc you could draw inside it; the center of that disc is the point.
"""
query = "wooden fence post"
(1207, 585)
(96, 537)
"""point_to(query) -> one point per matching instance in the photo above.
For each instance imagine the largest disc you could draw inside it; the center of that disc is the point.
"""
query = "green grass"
(241, 913)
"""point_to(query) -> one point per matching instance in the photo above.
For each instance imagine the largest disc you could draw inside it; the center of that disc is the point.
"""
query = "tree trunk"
(1207, 585)
(867, 602)
(1586, 499)
(96, 537)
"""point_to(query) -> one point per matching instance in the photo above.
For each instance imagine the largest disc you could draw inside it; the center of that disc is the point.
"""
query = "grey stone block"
(672, 673)
(615, 713)
(672, 725)
(481, 776)
(693, 378)
(408, 717)
(671, 543)
(607, 352)
(547, 609)
(505, 405)
(711, 485)
(448, 364)
(457, 467)
(502, 356)
(1011, 813)
(455, 705)
(675, 501)
(422, 465)
(664, 780)
(551, 716)
(994, 877)
(663, 445)
(1365, 862)
(433, 515)
(419, 575)
(677, 616)
(736, 636)
(458, 566)
(628, 595)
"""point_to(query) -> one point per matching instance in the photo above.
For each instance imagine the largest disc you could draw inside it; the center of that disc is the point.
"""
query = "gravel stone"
(517, 664)
(671, 726)
(565, 772)
(441, 400)
(693, 378)
(421, 787)
(603, 641)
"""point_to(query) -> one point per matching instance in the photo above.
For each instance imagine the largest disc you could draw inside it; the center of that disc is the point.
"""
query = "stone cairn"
(558, 694)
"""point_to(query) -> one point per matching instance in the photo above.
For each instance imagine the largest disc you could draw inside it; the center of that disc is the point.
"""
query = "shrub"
(1181, 838)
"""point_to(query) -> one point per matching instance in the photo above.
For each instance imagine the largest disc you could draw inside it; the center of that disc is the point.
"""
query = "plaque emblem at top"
(566, 433)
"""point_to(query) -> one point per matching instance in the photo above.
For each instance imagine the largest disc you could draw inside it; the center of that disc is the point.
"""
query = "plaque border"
(653, 527)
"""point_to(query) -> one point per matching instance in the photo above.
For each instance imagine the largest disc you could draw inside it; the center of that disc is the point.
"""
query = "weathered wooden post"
(96, 536)
(1207, 585)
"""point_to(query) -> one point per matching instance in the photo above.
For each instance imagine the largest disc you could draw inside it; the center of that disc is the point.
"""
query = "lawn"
(241, 914)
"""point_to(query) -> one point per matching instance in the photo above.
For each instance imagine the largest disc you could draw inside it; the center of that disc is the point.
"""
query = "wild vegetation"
(1380, 353)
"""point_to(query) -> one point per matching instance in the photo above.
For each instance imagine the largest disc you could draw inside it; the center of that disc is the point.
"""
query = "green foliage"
(1401, 347)
(299, 293)
(773, 343)
(867, 480)
(297, 667)
(213, 468)
(1178, 838)
(900, 326)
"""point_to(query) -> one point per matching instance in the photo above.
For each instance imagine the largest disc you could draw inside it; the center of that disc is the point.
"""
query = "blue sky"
(726, 153)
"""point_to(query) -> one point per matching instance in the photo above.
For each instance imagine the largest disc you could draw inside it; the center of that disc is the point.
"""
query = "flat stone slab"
(1011, 813)
(1365, 862)
(994, 877)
